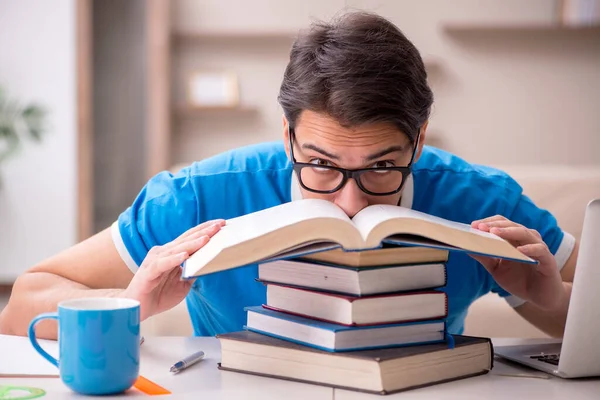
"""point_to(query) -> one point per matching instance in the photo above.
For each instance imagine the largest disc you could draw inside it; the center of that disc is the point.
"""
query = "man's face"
(322, 141)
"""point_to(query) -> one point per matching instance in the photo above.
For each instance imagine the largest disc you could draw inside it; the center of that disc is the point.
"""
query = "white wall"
(520, 96)
(38, 188)
(523, 96)
(258, 60)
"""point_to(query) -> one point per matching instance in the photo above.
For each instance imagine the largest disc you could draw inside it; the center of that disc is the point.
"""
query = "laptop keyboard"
(547, 358)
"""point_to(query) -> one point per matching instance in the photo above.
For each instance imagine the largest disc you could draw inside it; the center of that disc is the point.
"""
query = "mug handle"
(33, 339)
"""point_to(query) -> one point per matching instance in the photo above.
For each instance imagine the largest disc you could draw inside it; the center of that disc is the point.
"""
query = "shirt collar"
(405, 201)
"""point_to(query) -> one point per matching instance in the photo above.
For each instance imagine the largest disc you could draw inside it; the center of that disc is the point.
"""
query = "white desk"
(204, 379)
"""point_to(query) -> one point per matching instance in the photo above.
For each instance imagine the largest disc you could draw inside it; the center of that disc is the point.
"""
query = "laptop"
(578, 353)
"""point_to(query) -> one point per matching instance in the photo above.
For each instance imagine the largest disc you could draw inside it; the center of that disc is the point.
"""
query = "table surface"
(159, 353)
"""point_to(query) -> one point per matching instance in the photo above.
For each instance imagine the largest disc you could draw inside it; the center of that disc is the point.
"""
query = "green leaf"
(34, 116)
(11, 143)
(18, 123)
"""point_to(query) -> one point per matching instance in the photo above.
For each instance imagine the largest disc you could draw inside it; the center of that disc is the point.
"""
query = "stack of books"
(332, 311)
(348, 301)
(351, 302)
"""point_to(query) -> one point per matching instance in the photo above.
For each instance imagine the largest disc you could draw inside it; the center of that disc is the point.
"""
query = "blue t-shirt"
(255, 177)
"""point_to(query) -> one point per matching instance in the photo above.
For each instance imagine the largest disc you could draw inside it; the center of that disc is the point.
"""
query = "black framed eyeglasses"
(326, 179)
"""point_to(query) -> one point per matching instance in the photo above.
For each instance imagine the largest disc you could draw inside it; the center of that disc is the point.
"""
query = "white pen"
(187, 361)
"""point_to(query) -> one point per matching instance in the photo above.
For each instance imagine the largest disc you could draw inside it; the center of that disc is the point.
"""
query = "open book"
(307, 226)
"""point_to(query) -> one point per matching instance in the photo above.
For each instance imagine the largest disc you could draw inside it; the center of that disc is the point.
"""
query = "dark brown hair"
(358, 69)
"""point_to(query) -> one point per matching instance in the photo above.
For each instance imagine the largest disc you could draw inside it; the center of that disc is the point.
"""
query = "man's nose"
(351, 199)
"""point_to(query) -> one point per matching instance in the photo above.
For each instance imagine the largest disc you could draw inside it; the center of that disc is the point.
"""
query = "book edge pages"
(437, 236)
(356, 389)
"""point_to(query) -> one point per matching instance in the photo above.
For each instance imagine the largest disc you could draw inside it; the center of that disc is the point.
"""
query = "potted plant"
(17, 124)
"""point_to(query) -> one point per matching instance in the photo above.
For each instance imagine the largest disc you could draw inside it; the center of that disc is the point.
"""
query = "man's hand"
(539, 284)
(157, 285)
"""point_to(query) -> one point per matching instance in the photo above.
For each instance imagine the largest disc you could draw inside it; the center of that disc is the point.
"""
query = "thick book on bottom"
(381, 371)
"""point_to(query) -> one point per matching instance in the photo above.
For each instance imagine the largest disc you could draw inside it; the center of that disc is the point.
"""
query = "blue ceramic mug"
(99, 344)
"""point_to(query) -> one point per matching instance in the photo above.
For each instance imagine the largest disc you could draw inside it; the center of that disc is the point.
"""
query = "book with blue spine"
(340, 338)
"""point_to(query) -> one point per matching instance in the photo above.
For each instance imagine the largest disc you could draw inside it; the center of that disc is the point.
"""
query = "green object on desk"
(12, 392)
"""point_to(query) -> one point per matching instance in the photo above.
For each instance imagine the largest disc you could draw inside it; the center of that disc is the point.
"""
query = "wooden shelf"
(208, 36)
(517, 27)
(259, 36)
(185, 110)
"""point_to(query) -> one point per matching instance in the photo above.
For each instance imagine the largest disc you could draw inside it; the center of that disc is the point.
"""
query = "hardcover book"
(308, 226)
(381, 371)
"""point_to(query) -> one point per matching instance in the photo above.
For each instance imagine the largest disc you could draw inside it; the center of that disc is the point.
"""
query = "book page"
(251, 226)
(303, 249)
(370, 217)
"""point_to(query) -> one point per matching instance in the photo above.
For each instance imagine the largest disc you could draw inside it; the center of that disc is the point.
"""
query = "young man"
(356, 104)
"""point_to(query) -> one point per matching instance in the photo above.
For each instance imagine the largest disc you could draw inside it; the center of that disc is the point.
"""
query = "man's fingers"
(488, 263)
(499, 223)
(517, 235)
(189, 246)
(476, 223)
(175, 275)
(198, 228)
(537, 251)
(481, 226)
(166, 263)
(502, 223)
(208, 229)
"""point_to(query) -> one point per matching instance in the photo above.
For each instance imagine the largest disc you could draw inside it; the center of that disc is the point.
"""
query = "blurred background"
(99, 95)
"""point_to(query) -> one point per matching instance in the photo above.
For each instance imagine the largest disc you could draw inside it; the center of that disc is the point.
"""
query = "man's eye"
(383, 164)
(320, 162)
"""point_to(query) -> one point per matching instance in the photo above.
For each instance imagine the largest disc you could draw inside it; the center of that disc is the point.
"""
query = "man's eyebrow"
(384, 152)
(310, 146)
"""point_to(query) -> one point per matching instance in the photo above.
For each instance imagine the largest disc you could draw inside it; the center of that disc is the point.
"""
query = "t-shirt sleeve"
(165, 208)
(560, 243)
